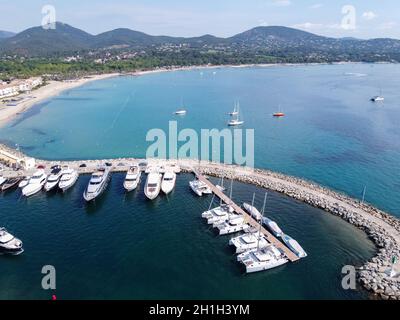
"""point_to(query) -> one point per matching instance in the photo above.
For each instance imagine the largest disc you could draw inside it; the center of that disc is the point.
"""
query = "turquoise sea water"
(126, 247)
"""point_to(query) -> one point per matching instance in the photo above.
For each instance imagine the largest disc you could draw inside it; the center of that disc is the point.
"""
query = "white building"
(17, 86)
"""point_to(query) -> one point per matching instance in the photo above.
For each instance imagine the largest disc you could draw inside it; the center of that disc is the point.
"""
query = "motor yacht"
(53, 179)
(36, 183)
(68, 178)
(8, 243)
(153, 185)
(132, 178)
(24, 182)
(97, 184)
(294, 246)
(10, 183)
(168, 181)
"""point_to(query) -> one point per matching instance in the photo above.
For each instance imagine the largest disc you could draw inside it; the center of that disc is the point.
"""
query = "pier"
(248, 218)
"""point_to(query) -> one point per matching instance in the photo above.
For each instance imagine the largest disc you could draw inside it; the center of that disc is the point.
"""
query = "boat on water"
(53, 179)
(36, 183)
(272, 226)
(153, 185)
(180, 112)
(168, 181)
(261, 259)
(253, 211)
(234, 224)
(235, 121)
(294, 246)
(8, 243)
(200, 187)
(24, 182)
(278, 114)
(377, 99)
(68, 178)
(217, 215)
(132, 178)
(97, 184)
(235, 111)
(248, 242)
(10, 183)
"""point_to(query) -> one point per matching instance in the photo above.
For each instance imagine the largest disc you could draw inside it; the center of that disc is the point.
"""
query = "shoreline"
(54, 88)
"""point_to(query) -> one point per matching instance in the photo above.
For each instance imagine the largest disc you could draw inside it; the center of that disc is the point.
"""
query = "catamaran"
(53, 179)
(217, 215)
(97, 184)
(261, 259)
(9, 243)
(132, 178)
(294, 246)
(68, 178)
(168, 181)
(153, 185)
(235, 223)
(199, 187)
(35, 184)
(248, 242)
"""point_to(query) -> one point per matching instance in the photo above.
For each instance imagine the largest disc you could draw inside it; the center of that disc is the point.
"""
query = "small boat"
(68, 178)
(97, 184)
(24, 182)
(261, 259)
(132, 178)
(217, 215)
(9, 243)
(236, 121)
(180, 112)
(200, 187)
(278, 114)
(273, 227)
(248, 242)
(53, 179)
(11, 183)
(36, 183)
(168, 182)
(294, 246)
(153, 185)
(253, 211)
(377, 99)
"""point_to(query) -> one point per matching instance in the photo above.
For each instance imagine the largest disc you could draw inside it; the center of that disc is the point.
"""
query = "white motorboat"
(36, 183)
(253, 211)
(248, 242)
(232, 225)
(294, 246)
(180, 112)
(168, 182)
(132, 178)
(377, 99)
(97, 184)
(53, 179)
(273, 227)
(199, 187)
(10, 183)
(68, 178)
(9, 243)
(24, 182)
(2, 180)
(153, 185)
(261, 259)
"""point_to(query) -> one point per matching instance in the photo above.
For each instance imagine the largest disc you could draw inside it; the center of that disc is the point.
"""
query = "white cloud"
(369, 15)
(281, 3)
(387, 25)
(316, 6)
(308, 25)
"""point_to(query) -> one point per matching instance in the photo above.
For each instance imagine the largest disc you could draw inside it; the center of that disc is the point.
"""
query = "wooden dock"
(248, 218)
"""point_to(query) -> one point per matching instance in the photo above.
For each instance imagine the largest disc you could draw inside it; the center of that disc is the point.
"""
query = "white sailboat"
(235, 121)
(379, 98)
(235, 111)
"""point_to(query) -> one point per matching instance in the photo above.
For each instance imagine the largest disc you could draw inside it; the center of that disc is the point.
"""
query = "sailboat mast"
(259, 230)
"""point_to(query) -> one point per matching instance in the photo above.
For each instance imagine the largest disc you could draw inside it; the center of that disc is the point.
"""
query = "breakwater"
(382, 228)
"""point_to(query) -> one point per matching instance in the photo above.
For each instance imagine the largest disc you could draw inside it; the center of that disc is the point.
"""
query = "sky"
(350, 18)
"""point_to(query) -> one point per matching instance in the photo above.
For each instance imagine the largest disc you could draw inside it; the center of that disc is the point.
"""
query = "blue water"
(332, 133)
(126, 247)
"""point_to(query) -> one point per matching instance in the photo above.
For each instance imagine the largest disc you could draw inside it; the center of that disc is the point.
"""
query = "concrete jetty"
(382, 228)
